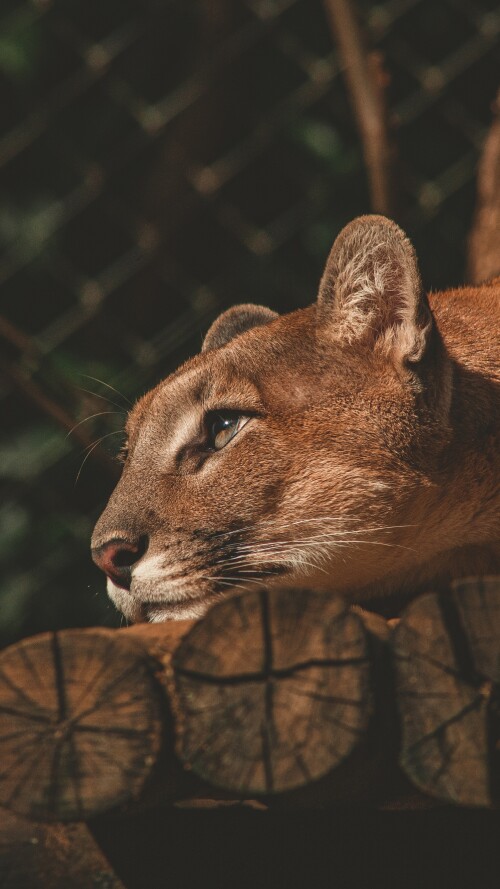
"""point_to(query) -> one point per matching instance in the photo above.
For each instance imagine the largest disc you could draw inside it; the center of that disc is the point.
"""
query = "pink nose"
(116, 558)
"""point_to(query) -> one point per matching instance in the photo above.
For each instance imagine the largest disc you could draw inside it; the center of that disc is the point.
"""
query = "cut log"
(285, 696)
(80, 723)
(447, 658)
(272, 690)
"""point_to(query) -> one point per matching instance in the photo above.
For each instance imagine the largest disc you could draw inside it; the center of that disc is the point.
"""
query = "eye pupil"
(222, 428)
(221, 423)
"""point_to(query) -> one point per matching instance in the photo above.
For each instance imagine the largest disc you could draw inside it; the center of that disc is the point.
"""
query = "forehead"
(206, 382)
(272, 366)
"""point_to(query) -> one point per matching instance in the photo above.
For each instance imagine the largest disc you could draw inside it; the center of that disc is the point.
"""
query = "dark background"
(159, 161)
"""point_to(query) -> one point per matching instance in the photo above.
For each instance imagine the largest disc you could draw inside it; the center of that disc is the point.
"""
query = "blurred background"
(161, 160)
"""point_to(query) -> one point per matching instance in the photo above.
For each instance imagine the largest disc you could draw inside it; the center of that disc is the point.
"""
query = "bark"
(484, 239)
(367, 82)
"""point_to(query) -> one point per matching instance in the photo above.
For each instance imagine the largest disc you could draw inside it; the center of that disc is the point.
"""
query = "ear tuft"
(371, 290)
(236, 320)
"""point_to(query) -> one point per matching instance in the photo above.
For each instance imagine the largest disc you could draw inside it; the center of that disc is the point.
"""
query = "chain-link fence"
(160, 160)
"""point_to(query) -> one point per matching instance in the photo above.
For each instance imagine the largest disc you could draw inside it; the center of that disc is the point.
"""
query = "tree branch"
(366, 80)
(31, 390)
(484, 239)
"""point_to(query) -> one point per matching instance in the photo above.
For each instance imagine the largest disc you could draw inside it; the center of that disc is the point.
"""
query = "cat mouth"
(120, 582)
(187, 609)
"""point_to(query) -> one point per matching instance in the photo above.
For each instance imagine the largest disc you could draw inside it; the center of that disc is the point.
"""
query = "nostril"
(116, 558)
(124, 558)
(127, 554)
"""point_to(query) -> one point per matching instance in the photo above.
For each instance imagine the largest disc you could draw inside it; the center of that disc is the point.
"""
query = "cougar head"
(292, 449)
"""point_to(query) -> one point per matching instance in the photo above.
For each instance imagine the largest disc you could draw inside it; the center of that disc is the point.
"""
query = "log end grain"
(272, 690)
(447, 659)
(80, 723)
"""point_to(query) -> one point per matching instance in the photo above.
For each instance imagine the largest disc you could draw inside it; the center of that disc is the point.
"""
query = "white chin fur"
(178, 608)
(123, 601)
(159, 613)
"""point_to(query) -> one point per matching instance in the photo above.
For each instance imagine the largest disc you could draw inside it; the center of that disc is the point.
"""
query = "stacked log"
(278, 700)
(447, 658)
(270, 693)
(287, 697)
(79, 723)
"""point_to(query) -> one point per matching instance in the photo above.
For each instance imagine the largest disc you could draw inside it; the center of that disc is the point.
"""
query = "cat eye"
(222, 426)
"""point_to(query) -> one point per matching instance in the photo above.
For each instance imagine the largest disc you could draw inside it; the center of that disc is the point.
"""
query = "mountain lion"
(352, 446)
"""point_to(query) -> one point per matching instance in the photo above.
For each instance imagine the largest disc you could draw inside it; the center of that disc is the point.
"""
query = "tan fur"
(370, 465)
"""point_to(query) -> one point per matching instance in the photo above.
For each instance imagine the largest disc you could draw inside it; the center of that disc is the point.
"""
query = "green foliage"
(16, 590)
(20, 45)
(27, 226)
(14, 527)
(90, 373)
(324, 142)
(26, 454)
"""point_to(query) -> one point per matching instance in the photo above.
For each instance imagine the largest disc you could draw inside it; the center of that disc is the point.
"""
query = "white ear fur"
(371, 290)
(234, 321)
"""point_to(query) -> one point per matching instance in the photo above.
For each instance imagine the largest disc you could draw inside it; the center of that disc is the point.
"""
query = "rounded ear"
(371, 290)
(236, 320)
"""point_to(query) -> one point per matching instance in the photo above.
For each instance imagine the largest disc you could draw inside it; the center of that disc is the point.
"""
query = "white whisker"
(285, 552)
(282, 546)
(329, 520)
(302, 562)
(92, 417)
(103, 398)
(327, 535)
(93, 447)
(272, 522)
(108, 386)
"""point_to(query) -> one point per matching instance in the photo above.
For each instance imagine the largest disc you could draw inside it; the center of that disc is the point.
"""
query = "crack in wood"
(32, 767)
(30, 665)
(105, 694)
(104, 663)
(268, 727)
(274, 673)
(352, 729)
(32, 717)
(53, 788)
(459, 641)
(418, 656)
(327, 699)
(110, 730)
(91, 686)
(24, 752)
(473, 705)
(446, 750)
(303, 767)
(62, 704)
(17, 690)
(75, 777)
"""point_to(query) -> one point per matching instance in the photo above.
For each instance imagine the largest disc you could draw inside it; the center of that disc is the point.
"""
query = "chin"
(158, 612)
(146, 606)
(124, 602)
